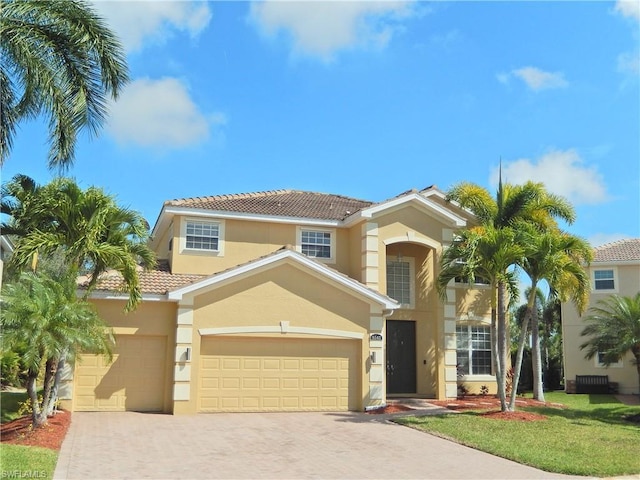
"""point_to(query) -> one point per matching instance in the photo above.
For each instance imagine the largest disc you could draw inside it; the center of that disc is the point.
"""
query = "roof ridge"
(258, 194)
(230, 196)
(617, 242)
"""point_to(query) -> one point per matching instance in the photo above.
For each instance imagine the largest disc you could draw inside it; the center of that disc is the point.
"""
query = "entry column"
(183, 353)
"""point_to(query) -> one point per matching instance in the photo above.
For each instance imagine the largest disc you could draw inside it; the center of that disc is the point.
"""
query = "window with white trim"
(400, 281)
(201, 235)
(318, 243)
(599, 358)
(604, 279)
(473, 349)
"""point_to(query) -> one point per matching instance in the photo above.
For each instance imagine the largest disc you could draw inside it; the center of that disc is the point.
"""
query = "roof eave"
(211, 282)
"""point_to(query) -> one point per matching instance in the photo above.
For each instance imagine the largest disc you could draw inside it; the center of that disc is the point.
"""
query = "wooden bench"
(592, 384)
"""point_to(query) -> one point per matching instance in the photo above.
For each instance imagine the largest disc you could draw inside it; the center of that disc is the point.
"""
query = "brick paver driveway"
(273, 445)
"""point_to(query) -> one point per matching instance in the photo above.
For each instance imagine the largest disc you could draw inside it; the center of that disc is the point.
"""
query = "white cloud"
(320, 29)
(138, 21)
(159, 113)
(599, 239)
(562, 172)
(537, 79)
(628, 8)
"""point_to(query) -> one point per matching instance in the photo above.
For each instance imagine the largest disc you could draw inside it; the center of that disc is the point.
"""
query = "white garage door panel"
(134, 380)
(252, 374)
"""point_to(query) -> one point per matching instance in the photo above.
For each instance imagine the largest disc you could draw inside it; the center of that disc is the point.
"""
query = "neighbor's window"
(473, 348)
(202, 235)
(399, 276)
(603, 280)
(600, 361)
(316, 243)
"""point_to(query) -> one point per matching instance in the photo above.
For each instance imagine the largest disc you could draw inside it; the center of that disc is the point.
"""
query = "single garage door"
(242, 374)
(134, 380)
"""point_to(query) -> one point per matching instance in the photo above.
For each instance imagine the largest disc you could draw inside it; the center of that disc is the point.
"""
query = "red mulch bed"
(519, 416)
(19, 431)
(395, 408)
(490, 402)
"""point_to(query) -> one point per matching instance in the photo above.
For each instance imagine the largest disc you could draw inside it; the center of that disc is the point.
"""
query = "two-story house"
(615, 269)
(291, 300)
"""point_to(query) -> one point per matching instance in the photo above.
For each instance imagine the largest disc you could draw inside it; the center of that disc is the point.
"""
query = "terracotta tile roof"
(286, 203)
(157, 282)
(620, 251)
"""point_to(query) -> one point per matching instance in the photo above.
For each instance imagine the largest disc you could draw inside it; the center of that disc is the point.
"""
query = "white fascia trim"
(604, 265)
(325, 332)
(122, 296)
(452, 218)
(285, 254)
(201, 212)
(477, 378)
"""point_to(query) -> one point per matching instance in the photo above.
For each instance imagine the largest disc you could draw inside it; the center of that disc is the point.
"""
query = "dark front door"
(401, 356)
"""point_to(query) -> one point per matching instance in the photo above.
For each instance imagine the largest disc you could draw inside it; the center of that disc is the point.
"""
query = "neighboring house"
(615, 269)
(6, 249)
(288, 300)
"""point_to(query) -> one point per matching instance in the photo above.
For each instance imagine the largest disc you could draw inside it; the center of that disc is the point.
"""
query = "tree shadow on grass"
(614, 414)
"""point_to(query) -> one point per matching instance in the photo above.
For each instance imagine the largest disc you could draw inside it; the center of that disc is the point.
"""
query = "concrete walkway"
(273, 445)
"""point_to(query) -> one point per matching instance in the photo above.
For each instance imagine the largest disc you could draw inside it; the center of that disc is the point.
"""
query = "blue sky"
(369, 99)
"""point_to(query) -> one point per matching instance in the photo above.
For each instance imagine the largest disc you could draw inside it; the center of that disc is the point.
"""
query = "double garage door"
(134, 380)
(271, 374)
(236, 374)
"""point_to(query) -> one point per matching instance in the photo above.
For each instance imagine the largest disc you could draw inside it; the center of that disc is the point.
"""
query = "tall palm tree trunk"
(538, 389)
(519, 356)
(502, 347)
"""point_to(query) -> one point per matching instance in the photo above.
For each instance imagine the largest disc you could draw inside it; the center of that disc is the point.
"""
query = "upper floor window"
(604, 279)
(400, 281)
(317, 243)
(473, 349)
(203, 235)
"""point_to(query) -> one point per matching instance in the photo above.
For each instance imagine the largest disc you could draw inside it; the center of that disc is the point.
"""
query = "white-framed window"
(599, 359)
(318, 243)
(203, 236)
(473, 349)
(401, 281)
(604, 279)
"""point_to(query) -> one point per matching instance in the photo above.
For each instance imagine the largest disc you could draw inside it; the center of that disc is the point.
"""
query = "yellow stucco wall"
(246, 240)
(408, 226)
(264, 299)
(151, 318)
(627, 284)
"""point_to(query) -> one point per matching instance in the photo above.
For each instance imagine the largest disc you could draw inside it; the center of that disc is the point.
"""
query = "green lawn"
(17, 461)
(589, 438)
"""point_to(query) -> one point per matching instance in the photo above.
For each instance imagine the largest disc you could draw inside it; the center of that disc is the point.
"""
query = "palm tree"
(487, 252)
(57, 58)
(614, 329)
(558, 258)
(513, 206)
(94, 233)
(85, 227)
(42, 316)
